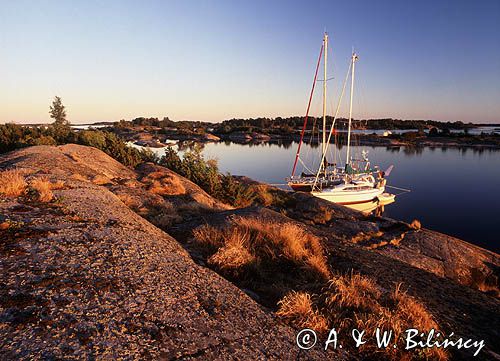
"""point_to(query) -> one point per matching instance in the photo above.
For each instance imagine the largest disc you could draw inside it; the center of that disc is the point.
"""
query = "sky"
(216, 60)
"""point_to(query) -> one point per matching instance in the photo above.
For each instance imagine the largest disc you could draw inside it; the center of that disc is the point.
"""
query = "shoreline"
(372, 141)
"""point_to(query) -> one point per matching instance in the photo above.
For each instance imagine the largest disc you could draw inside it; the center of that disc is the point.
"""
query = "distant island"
(154, 132)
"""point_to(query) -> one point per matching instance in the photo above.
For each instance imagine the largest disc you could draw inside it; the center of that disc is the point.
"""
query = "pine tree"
(58, 111)
(61, 127)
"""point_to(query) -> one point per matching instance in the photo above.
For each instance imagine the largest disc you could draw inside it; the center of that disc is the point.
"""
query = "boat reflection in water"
(377, 205)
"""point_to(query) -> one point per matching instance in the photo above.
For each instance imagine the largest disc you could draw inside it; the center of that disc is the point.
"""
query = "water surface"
(453, 191)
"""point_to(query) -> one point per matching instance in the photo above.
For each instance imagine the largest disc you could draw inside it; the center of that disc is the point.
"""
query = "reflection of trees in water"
(286, 144)
(314, 145)
(393, 149)
(409, 150)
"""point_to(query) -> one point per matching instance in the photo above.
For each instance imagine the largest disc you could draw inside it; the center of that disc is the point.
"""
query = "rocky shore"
(158, 137)
(108, 268)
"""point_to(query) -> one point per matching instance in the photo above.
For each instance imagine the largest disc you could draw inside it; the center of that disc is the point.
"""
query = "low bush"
(205, 173)
(114, 146)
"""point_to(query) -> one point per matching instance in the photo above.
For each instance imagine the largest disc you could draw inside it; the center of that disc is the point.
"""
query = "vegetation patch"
(355, 301)
(42, 189)
(12, 183)
(264, 255)
(205, 173)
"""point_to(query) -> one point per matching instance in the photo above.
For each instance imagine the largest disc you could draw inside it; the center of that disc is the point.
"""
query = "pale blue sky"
(214, 60)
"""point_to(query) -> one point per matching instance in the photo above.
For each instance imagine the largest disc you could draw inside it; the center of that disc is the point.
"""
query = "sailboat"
(357, 182)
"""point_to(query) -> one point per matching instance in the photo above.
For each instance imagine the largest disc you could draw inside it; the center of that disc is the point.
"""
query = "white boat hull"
(377, 203)
(346, 197)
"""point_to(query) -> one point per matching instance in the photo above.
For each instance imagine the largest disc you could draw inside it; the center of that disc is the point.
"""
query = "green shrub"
(13, 136)
(112, 145)
(205, 173)
(235, 192)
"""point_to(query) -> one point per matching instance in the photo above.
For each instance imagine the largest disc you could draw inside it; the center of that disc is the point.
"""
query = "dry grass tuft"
(173, 185)
(297, 308)
(164, 184)
(353, 291)
(42, 188)
(12, 183)
(234, 254)
(209, 237)
(193, 208)
(59, 184)
(269, 257)
(364, 237)
(263, 196)
(356, 301)
(293, 242)
(162, 215)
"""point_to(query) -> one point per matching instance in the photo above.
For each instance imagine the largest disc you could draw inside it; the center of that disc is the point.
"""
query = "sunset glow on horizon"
(216, 60)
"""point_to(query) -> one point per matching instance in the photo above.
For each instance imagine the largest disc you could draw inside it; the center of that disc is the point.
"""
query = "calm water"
(453, 191)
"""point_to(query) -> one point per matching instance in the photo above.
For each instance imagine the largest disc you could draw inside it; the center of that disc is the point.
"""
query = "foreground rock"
(88, 278)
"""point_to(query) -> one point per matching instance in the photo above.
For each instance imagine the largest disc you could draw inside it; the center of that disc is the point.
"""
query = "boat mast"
(353, 62)
(325, 45)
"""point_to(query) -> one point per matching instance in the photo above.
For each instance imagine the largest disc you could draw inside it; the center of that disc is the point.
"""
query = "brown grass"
(209, 237)
(356, 301)
(12, 183)
(164, 184)
(234, 254)
(173, 185)
(162, 215)
(59, 184)
(193, 208)
(297, 308)
(263, 196)
(363, 237)
(265, 256)
(287, 239)
(42, 188)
